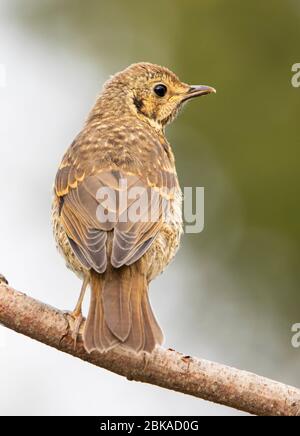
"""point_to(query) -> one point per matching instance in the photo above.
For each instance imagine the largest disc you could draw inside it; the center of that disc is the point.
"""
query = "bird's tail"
(120, 312)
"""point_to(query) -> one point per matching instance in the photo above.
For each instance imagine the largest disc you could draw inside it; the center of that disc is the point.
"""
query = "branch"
(166, 368)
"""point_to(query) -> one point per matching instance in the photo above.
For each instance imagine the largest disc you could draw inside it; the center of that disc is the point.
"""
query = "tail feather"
(96, 334)
(136, 338)
(116, 302)
(120, 312)
(154, 334)
(104, 339)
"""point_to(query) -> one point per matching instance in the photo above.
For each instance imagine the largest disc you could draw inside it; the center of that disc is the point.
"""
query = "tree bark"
(166, 368)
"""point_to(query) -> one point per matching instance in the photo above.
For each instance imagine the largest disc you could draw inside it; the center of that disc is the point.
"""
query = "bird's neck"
(107, 107)
(154, 124)
(118, 106)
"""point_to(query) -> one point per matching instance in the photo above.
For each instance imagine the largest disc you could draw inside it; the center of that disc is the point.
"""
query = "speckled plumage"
(122, 138)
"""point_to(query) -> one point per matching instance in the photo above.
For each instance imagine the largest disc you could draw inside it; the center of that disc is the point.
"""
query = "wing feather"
(97, 199)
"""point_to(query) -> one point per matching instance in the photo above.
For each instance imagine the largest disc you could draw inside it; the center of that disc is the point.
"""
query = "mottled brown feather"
(123, 137)
(79, 191)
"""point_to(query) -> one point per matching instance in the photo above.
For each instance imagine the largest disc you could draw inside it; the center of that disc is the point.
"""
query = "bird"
(115, 246)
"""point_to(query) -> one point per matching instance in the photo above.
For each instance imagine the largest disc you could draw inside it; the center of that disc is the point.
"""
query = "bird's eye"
(160, 90)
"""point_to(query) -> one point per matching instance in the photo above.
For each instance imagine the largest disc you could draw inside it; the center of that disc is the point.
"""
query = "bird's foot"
(78, 319)
(75, 320)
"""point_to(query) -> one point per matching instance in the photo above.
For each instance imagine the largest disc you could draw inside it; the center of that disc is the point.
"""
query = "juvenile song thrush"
(122, 150)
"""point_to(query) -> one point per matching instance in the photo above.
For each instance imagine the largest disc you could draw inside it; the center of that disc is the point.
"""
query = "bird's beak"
(197, 91)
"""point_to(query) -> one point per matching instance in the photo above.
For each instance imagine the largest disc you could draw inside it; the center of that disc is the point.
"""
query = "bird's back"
(117, 204)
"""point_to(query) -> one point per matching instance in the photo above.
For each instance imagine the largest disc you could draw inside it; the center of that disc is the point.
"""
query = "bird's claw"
(76, 328)
(75, 321)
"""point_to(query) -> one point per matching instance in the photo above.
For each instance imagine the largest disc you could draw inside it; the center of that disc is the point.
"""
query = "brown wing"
(133, 206)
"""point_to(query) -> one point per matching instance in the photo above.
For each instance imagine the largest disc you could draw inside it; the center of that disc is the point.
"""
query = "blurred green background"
(236, 285)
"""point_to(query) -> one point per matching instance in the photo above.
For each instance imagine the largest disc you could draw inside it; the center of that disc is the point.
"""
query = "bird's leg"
(77, 312)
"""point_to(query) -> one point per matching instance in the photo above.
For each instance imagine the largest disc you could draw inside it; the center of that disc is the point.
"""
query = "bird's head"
(153, 93)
